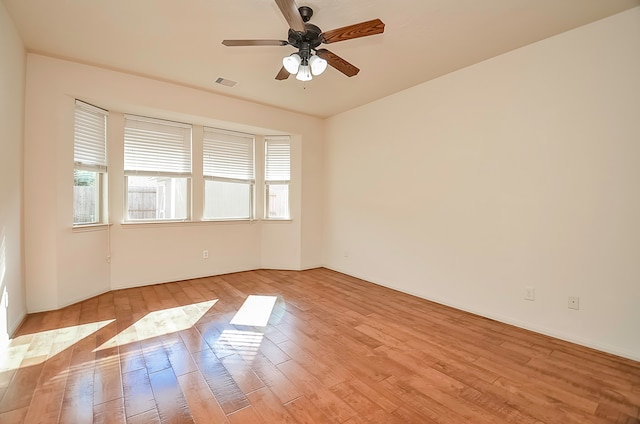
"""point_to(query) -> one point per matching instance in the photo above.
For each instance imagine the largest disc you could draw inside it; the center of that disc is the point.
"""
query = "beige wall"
(12, 70)
(519, 171)
(523, 170)
(66, 265)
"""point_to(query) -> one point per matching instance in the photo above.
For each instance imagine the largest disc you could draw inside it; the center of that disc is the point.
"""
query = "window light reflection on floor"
(246, 343)
(255, 311)
(159, 323)
(33, 349)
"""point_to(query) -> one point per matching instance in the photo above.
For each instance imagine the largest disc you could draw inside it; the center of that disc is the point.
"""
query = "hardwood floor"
(336, 350)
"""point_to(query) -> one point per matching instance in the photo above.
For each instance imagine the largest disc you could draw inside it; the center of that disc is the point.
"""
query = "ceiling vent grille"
(226, 82)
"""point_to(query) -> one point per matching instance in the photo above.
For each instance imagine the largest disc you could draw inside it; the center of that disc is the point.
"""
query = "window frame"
(91, 162)
(268, 182)
(251, 181)
(188, 176)
(128, 220)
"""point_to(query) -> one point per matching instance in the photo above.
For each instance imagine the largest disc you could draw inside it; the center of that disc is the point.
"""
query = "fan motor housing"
(312, 35)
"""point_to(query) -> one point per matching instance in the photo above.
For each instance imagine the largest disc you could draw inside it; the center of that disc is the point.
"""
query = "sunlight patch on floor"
(255, 311)
(159, 323)
(33, 349)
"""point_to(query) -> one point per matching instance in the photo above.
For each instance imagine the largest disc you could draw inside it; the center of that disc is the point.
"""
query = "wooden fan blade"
(290, 12)
(363, 29)
(236, 43)
(283, 74)
(337, 62)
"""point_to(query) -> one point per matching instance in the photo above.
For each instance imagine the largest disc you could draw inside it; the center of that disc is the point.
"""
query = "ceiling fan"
(307, 38)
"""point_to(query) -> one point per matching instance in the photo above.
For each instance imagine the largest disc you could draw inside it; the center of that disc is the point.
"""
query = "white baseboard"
(16, 324)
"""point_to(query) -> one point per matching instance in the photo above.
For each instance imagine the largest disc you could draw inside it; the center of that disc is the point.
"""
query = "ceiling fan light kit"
(318, 65)
(304, 74)
(304, 69)
(307, 38)
(292, 63)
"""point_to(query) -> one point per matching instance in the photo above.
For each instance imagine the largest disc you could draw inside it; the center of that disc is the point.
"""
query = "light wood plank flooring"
(336, 350)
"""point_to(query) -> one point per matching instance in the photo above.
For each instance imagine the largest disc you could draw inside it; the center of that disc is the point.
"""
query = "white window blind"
(277, 175)
(153, 146)
(277, 159)
(228, 155)
(90, 138)
(229, 173)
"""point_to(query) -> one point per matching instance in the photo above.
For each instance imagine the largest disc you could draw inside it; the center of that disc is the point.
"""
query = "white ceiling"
(180, 41)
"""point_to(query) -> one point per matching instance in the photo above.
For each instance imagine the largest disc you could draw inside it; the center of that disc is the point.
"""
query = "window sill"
(152, 224)
(90, 227)
(156, 224)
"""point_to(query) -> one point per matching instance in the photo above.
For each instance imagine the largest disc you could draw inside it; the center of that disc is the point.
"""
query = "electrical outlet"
(574, 302)
(529, 293)
(205, 254)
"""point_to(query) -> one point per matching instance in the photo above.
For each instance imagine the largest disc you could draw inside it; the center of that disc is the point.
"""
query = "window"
(90, 163)
(277, 152)
(229, 176)
(157, 169)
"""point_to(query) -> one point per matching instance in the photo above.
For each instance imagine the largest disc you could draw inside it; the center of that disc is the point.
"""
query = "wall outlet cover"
(574, 302)
(529, 293)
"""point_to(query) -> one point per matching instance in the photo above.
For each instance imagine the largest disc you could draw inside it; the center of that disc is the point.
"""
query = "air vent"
(225, 82)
